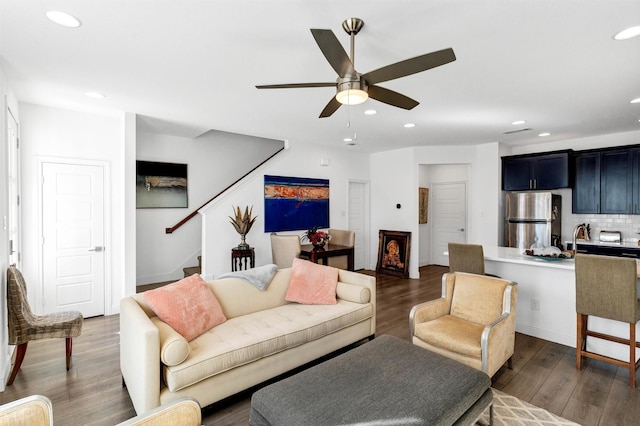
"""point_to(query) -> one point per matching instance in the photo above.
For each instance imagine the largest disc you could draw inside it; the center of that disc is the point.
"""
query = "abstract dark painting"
(295, 203)
(161, 185)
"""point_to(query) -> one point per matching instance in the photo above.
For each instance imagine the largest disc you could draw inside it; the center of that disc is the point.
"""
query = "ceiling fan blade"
(331, 107)
(410, 66)
(295, 85)
(392, 98)
(334, 52)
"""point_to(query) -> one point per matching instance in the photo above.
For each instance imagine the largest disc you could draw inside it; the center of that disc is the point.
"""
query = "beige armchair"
(34, 410)
(342, 238)
(284, 248)
(473, 322)
(182, 412)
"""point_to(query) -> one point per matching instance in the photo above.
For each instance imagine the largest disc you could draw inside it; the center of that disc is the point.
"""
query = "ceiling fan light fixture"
(352, 96)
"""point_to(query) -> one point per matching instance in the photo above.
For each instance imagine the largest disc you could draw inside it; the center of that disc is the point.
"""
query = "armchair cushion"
(452, 334)
(188, 306)
(474, 301)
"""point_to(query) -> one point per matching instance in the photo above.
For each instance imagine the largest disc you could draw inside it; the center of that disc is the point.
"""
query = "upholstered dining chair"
(341, 237)
(284, 248)
(34, 410)
(24, 326)
(473, 322)
(607, 287)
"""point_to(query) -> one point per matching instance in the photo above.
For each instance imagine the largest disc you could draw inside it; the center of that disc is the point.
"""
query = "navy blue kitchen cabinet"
(537, 171)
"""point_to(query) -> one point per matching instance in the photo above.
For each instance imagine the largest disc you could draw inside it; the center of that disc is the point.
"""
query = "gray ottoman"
(387, 381)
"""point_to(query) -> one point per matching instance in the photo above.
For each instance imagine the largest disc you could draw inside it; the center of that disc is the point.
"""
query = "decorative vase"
(319, 244)
(243, 244)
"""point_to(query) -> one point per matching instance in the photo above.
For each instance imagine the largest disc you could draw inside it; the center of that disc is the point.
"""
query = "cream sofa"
(263, 337)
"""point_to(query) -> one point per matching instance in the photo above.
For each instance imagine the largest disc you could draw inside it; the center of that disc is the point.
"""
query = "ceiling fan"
(354, 88)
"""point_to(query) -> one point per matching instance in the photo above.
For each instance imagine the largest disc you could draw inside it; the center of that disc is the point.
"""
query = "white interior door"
(449, 201)
(13, 170)
(357, 221)
(73, 238)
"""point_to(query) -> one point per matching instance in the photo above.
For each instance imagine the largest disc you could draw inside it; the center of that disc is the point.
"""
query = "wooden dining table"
(320, 255)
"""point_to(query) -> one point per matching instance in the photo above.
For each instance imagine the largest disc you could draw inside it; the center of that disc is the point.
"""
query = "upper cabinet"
(607, 181)
(537, 171)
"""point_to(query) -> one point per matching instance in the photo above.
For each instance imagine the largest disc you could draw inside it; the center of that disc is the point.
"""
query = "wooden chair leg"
(69, 348)
(21, 350)
(632, 356)
(579, 338)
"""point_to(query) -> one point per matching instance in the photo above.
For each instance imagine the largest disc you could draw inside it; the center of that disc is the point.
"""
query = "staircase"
(190, 270)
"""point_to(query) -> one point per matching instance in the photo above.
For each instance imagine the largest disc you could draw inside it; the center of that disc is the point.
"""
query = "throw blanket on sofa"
(260, 277)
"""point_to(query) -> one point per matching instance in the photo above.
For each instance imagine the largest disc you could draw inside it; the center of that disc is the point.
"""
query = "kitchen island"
(547, 300)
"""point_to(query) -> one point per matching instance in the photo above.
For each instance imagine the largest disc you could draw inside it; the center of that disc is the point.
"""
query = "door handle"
(97, 248)
(461, 229)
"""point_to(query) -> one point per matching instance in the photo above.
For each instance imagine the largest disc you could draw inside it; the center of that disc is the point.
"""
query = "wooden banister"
(195, 212)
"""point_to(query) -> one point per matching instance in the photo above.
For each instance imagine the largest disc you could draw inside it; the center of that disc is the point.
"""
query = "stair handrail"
(195, 212)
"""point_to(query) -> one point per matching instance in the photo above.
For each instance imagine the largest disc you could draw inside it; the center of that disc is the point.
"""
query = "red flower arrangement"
(315, 237)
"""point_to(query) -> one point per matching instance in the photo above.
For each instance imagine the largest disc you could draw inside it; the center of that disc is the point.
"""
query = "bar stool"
(607, 287)
(467, 258)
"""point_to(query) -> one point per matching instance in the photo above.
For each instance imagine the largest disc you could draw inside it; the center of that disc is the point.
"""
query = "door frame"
(39, 291)
(13, 158)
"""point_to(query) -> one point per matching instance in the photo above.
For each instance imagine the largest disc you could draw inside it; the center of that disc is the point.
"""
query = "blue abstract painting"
(294, 203)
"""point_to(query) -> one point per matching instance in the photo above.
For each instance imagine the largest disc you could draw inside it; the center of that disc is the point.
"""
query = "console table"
(242, 258)
(320, 255)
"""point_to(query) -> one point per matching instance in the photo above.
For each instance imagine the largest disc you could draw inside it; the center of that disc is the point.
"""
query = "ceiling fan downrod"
(352, 26)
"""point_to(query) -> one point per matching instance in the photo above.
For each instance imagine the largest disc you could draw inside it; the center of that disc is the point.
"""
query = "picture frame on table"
(394, 248)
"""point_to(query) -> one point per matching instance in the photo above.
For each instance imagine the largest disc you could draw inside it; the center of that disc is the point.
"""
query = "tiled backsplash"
(629, 225)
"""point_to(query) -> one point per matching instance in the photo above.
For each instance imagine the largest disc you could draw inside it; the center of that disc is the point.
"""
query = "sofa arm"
(362, 280)
(139, 356)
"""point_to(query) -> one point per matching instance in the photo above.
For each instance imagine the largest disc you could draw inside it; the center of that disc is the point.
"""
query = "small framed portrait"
(393, 253)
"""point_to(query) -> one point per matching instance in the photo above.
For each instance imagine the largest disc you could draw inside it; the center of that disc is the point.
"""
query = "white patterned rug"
(511, 411)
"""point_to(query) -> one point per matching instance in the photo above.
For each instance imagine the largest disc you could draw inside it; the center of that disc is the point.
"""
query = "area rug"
(511, 411)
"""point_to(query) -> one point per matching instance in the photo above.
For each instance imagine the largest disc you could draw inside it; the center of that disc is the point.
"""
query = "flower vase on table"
(317, 238)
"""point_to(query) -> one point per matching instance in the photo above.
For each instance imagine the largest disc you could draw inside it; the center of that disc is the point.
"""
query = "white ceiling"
(191, 65)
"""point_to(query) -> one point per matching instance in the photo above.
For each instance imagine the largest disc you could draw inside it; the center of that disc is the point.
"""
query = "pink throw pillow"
(312, 284)
(188, 306)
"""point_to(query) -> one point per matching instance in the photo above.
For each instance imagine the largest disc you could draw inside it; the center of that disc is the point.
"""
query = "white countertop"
(630, 244)
(516, 255)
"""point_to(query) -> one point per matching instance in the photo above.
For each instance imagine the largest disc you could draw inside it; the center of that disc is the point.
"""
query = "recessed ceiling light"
(371, 112)
(635, 101)
(63, 19)
(628, 33)
(544, 134)
(347, 140)
(409, 125)
(518, 122)
(94, 95)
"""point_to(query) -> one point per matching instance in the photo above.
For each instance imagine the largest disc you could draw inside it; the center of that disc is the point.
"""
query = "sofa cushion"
(312, 284)
(248, 338)
(188, 306)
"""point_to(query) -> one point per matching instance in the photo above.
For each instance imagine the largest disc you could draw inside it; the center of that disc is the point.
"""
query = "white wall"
(299, 160)
(48, 133)
(215, 160)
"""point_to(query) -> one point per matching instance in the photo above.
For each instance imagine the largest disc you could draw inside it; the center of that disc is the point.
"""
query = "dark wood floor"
(544, 373)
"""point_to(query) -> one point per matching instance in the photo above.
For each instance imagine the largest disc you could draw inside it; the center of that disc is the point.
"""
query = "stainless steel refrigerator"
(532, 218)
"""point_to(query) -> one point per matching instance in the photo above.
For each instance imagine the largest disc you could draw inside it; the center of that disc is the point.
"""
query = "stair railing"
(195, 212)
